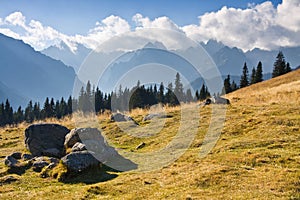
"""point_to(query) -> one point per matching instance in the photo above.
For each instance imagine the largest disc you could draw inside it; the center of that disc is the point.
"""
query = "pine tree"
(36, 111)
(288, 68)
(244, 82)
(2, 115)
(259, 73)
(69, 105)
(279, 65)
(8, 111)
(227, 85)
(29, 117)
(19, 115)
(234, 86)
(161, 93)
(253, 76)
(178, 90)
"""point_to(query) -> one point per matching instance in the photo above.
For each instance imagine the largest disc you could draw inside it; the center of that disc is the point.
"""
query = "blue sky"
(246, 24)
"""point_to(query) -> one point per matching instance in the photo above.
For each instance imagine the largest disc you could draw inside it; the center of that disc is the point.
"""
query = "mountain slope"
(63, 53)
(256, 156)
(32, 74)
(282, 89)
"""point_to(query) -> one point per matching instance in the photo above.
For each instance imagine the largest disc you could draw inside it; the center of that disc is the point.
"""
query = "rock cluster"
(50, 145)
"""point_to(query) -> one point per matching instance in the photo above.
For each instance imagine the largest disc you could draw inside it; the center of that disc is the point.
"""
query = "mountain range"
(27, 74)
(30, 75)
(228, 60)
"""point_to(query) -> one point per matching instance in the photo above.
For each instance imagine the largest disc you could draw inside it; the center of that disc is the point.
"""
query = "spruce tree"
(234, 86)
(227, 85)
(161, 93)
(259, 73)
(288, 68)
(253, 76)
(8, 111)
(279, 65)
(244, 82)
(178, 90)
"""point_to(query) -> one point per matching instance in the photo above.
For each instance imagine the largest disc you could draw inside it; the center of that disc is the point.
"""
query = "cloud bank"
(258, 26)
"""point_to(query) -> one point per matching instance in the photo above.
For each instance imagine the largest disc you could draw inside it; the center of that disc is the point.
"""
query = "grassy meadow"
(256, 157)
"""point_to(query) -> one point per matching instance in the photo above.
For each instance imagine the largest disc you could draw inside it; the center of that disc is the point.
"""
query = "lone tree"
(244, 78)
(259, 73)
(280, 66)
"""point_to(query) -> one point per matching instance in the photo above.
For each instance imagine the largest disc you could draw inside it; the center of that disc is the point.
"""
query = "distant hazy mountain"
(63, 53)
(231, 60)
(15, 99)
(30, 74)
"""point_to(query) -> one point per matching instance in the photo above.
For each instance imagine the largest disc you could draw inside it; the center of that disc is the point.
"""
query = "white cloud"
(262, 26)
(10, 33)
(288, 14)
(104, 30)
(16, 19)
(160, 22)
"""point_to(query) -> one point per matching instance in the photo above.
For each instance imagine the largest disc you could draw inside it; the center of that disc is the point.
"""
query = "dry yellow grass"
(256, 157)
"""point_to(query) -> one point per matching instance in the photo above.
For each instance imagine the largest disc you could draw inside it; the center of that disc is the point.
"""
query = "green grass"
(256, 157)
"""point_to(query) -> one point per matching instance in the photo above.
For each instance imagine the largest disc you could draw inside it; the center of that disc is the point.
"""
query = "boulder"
(220, 100)
(80, 161)
(78, 147)
(16, 155)
(40, 163)
(81, 135)
(40, 138)
(119, 117)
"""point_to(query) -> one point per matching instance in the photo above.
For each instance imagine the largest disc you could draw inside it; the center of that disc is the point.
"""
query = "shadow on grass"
(100, 174)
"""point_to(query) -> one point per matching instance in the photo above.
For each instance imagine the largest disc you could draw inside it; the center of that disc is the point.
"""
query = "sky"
(245, 24)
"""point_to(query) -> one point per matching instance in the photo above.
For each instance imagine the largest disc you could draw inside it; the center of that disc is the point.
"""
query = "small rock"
(142, 145)
(39, 164)
(27, 156)
(16, 155)
(10, 161)
(8, 179)
(78, 147)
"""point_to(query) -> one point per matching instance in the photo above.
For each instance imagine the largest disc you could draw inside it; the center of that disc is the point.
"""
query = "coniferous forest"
(140, 96)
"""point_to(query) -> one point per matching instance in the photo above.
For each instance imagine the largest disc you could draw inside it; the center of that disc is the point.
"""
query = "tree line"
(280, 67)
(140, 96)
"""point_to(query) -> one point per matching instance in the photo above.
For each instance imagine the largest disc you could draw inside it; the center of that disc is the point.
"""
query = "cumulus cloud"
(258, 26)
(104, 30)
(34, 32)
(160, 22)
(262, 26)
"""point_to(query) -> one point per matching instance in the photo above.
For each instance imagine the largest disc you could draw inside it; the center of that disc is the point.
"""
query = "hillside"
(256, 157)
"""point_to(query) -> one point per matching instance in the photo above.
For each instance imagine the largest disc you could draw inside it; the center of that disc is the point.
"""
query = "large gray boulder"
(90, 139)
(80, 161)
(81, 135)
(46, 139)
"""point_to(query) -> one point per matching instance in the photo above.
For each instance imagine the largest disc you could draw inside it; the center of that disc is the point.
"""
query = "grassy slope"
(256, 157)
